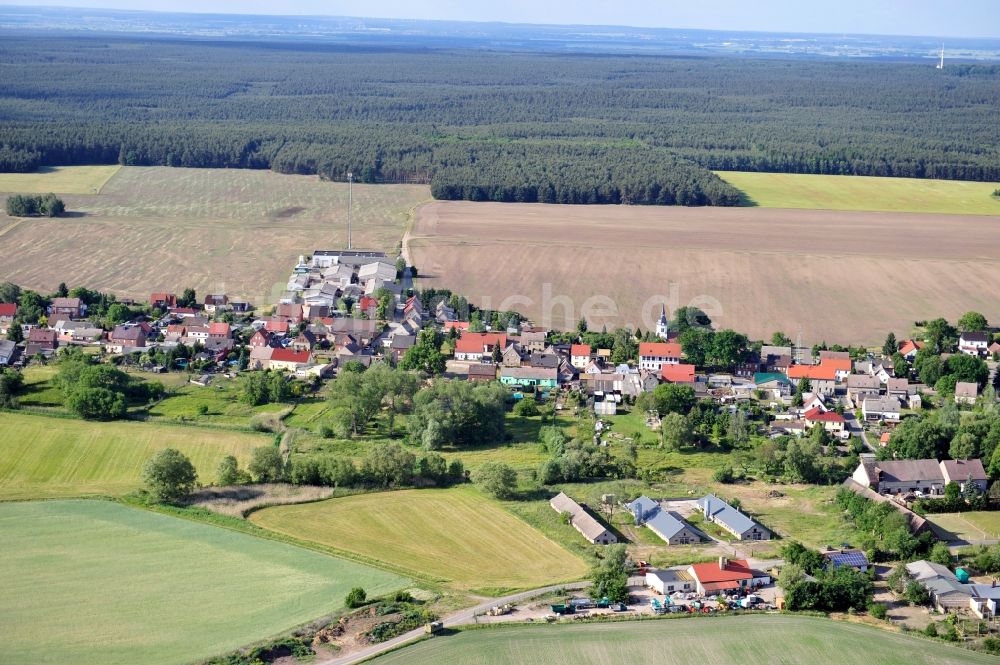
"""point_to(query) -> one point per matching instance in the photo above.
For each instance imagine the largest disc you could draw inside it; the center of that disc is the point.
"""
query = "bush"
(267, 465)
(525, 407)
(497, 479)
(169, 475)
(725, 476)
(878, 610)
(356, 597)
(931, 630)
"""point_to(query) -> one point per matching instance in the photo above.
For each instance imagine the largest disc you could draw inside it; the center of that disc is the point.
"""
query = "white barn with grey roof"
(582, 521)
(668, 527)
(732, 520)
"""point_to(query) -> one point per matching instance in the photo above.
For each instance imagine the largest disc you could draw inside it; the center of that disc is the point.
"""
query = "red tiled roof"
(276, 326)
(838, 364)
(216, 329)
(183, 310)
(475, 342)
(818, 415)
(735, 570)
(677, 373)
(662, 349)
(580, 350)
(821, 371)
(909, 346)
(290, 356)
(458, 325)
(367, 302)
(8, 309)
(176, 329)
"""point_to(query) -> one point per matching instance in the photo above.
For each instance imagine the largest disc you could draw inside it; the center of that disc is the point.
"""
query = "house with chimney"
(726, 575)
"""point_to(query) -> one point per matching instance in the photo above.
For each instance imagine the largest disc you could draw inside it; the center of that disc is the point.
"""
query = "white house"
(654, 355)
(974, 343)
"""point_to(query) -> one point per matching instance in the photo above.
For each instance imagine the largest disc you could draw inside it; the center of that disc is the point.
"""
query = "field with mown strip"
(750, 640)
(972, 526)
(456, 535)
(848, 192)
(59, 180)
(94, 582)
(42, 456)
(234, 231)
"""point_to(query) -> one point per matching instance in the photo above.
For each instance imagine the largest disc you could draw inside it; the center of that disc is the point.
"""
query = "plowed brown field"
(817, 275)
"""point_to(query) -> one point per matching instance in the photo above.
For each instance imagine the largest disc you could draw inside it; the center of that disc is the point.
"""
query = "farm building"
(926, 475)
(582, 521)
(668, 527)
(718, 511)
(946, 592)
(726, 575)
(669, 580)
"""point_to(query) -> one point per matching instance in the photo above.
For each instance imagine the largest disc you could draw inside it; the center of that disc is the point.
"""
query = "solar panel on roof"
(853, 559)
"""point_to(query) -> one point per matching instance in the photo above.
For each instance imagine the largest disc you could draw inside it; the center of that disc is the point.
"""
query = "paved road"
(459, 618)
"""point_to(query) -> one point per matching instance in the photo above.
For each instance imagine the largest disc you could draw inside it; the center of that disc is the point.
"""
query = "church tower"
(661, 326)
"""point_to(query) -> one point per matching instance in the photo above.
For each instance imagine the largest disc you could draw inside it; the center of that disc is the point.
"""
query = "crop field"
(42, 456)
(59, 180)
(837, 192)
(751, 640)
(456, 535)
(847, 277)
(94, 582)
(971, 527)
(216, 230)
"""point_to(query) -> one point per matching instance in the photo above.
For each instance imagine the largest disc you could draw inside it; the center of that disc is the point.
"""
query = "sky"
(936, 18)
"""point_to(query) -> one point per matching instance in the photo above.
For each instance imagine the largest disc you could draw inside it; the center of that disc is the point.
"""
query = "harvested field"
(456, 535)
(850, 192)
(95, 582)
(217, 230)
(59, 180)
(43, 456)
(749, 640)
(816, 275)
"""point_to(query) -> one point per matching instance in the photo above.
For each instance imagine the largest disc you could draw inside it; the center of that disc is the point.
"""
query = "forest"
(490, 125)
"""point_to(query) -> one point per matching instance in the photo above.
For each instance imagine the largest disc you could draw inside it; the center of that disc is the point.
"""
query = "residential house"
(43, 338)
(927, 476)
(774, 384)
(549, 360)
(511, 356)
(962, 471)
(670, 580)
(606, 403)
(163, 300)
(276, 327)
(478, 346)
(830, 421)
(775, 358)
(993, 349)
(7, 313)
(823, 386)
(858, 384)
(482, 372)
(8, 352)
(216, 302)
(260, 339)
(532, 341)
(726, 575)
(260, 357)
(288, 360)
(380, 270)
(666, 525)
(292, 313)
(880, 408)
(400, 344)
(984, 599)
(899, 388)
(122, 338)
(946, 592)
(78, 332)
(654, 355)
(582, 520)
(966, 392)
(851, 558)
(71, 307)
(681, 373)
(304, 341)
(908, 348)
(732, 520)
(825, 354)
(541, 377)
(580, 355)
(974, 343)
(184, 312)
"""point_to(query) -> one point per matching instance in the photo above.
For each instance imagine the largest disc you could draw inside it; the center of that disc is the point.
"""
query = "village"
(343, 307)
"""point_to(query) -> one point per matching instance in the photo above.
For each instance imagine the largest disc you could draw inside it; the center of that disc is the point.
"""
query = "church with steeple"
(662, 328)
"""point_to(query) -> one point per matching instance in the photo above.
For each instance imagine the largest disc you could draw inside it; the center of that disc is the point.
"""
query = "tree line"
(26, 205)
(490, 125)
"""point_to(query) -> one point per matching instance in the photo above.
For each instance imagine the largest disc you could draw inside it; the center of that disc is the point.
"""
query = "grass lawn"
(750, 640)
(972, 526)
(832, 192)
(59, 180)
(457, 535)
(97, 582)
(43, 456)
(220, 397)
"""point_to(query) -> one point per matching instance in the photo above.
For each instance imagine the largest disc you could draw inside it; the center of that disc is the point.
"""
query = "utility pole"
(350, 201)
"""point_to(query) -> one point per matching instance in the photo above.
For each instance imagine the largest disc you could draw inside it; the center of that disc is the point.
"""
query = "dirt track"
(821, 275)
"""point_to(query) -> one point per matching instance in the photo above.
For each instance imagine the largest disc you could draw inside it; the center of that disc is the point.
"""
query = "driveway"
(460, 618)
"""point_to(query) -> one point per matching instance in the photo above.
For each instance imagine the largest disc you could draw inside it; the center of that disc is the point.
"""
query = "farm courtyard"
(94, 582)
(842, 277)
(216, 230)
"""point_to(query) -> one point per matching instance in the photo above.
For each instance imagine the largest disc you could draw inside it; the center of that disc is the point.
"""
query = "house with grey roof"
(732, 520)
(582, 521)
(946, 592)
(666, 525)
(880, 408)
(966, 392)
(7, 352)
